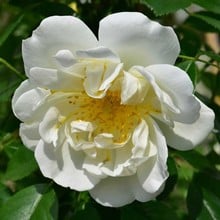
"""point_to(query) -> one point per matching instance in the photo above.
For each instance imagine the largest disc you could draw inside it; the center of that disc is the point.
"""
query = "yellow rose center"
(108, 114)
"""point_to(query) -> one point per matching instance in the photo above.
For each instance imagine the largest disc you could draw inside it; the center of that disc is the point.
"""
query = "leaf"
(211, 206)
(52, 8)
(21, 164)
(89, 212)
(131, 212)
(210, 18)
(190, 40)
(194, 200)
(212, 55)
(32, 203)
(194, 158)
(209, 181)
(10, 29)
(152, 210)
(210, 5)
(155, 210)
(4, 194)
(161, 7)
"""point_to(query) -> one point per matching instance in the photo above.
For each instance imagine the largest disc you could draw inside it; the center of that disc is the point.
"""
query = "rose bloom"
(99, 114)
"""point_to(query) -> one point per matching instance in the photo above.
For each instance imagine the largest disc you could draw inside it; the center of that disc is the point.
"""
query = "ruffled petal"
(186, 136)
(177, 91)
(134, 87)
(119, 191)
(140, 139)
(101, 69)
(49, 126)
(29, 134)
(64, 166)
(153, 173)
(55, 80)
(78, 135)
(98, 53)
(27, 99)
(55, 33)
(138, 40)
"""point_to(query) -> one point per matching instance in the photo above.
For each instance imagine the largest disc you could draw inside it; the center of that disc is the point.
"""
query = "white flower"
(99, 113)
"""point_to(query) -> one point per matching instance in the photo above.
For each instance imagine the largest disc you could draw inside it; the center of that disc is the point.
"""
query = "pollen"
(108, 115)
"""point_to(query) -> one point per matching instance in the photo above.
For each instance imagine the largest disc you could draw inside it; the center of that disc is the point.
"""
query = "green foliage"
(192, 190)
(210, 18)
(21, 164)
(161, 7)
(32, 203)
(212, 5)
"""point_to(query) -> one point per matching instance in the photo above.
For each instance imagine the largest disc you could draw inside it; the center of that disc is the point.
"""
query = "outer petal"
(64, 166)
(119, 191)
(187, 136)
(138, 40)
(55, 33)
(175, 85)
(29, 134)
(27, 99)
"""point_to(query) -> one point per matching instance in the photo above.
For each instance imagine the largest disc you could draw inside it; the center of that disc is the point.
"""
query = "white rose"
(99, 113)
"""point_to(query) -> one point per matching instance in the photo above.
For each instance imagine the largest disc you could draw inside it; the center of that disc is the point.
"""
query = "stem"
(197, 59)
(9, 66)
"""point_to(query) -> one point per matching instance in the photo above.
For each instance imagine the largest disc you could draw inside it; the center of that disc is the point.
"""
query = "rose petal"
(64, 166)
(98, 53)
(119, 191)
(187, 136)
(29, 135)
(49, 126)
(54, 80)
(27, 99)
(153, 173)
(140, 139)
(55, 33)
(138, 40)
(134, 88)
(99, 77)
(65, 58)
(177, 86)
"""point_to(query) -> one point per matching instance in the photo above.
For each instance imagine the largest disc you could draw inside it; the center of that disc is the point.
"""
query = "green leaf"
(52, 8)
(194, 158)
(4, 194)
(194, 200)
(10, 29)
(161, 7)
(210, 5)
(131, 212)
(152, 210)
(21, 164)
(155, 210)
(210, 18)
(209, 181)
(32, 203)
(211, 206)
(211, 54)
(89, 212)
(190, 40)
